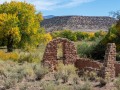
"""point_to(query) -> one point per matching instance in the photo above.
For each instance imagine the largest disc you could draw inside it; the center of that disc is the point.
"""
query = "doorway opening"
(60, 53)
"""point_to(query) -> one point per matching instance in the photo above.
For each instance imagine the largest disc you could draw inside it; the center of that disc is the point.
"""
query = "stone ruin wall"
(88, 63)
(109, 61)
(109, 68)
(82, 23)
(69, 52)
(117, 69)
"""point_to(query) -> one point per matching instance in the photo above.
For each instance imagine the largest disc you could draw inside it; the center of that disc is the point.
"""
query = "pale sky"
(74, 7)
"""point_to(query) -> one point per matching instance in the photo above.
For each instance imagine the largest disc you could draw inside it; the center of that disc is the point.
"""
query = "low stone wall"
(108, 69)
(117, 69)
(85, 63)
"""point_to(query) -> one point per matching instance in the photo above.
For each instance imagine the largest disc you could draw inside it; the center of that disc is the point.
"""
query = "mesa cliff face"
(81, 23)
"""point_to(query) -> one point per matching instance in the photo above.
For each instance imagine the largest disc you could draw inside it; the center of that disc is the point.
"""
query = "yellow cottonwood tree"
(9, 30)
(27, 23)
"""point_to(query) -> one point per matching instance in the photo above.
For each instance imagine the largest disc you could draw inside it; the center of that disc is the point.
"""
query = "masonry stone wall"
(117, 69)
(88, 63)
(69, 52)
(109, 61)
(110, 68)
(107, 69)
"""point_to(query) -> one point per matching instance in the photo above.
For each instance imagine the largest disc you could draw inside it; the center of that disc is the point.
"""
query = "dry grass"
(32, 76)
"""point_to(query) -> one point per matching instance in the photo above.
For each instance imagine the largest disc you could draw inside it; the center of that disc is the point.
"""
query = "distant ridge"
(81, 23)
(49, 16)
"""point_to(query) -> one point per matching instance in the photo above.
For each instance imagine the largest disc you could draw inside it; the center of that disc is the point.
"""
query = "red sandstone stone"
(69, 52)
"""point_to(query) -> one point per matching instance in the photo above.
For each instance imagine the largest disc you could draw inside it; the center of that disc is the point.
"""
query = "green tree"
(69, 35)
(9, 30)
(113, 36)
(25, 22)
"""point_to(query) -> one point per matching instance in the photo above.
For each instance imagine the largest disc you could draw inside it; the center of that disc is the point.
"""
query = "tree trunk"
(10, 45)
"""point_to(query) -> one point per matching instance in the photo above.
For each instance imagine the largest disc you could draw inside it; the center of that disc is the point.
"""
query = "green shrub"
(75, 79)
(52, 86)
(19, 72)
(40, 71)
(63, 87)
(97, 47)
(82, 35)
(117, 83)
(103, 82)
(31, 57)
(112, 36)
(55, 34)
(67, 69)
(69, 35)
(28, 73)
(57, 75)
(9, 83)
(48, 85)
(23, 87)
(93, 76)
(14, 73)
(85, 86)
(64, 34)
(118, 56)
(100, 33)
(78, 35)
(64, 72)
(84, 49)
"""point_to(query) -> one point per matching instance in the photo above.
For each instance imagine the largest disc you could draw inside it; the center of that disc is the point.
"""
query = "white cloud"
(52, 4)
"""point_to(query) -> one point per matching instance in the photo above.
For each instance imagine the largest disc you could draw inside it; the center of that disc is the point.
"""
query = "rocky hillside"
(81, 23)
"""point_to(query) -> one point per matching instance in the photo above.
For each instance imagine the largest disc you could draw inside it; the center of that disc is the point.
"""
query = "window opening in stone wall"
(60, 53)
